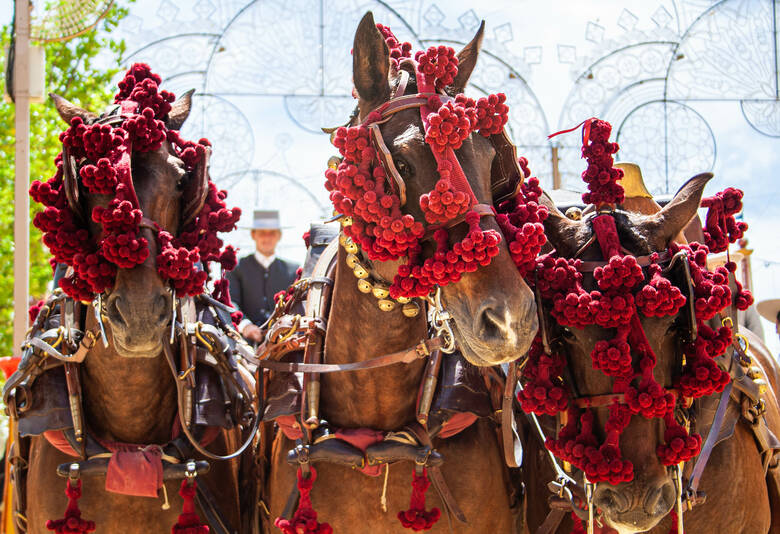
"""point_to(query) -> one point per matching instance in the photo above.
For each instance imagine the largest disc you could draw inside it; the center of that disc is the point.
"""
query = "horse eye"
(404, 169)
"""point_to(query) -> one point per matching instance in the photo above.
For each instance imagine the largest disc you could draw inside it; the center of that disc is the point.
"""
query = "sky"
(744, 158)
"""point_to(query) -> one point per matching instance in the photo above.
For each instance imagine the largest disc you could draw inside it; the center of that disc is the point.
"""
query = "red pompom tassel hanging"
(188, 522)
(72, 522)
(416, 518)
(304, 521)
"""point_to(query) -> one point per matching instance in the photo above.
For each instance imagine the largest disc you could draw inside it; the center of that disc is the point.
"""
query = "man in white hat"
(770, 310)
(259, 276)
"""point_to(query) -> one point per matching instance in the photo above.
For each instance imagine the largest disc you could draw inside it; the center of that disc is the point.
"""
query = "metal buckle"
(440, 321)
(97, 305)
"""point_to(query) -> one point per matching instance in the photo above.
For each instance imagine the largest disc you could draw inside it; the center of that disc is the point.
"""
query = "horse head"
(635, 489)
(132, 211)
(493, 309)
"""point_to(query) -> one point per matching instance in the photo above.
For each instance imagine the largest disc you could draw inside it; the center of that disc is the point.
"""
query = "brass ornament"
(333, 162)
(411, 309)
(381, 292)
(574, 213)
(364, 286)
(360, 271)
(351, 247)
(386, 305)
(352, 261)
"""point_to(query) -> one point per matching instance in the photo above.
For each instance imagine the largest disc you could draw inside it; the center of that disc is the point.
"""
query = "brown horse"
(737, 494)
(493, 313)
(129, 393)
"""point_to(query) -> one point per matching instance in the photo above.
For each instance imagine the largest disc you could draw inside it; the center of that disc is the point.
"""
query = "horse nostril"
(610, 501)
(493, 325)
(659, 500)
(161, 307)
(114, 311)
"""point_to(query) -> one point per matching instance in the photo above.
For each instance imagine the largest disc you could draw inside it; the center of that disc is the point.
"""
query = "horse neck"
(358, 330)
(131, 400)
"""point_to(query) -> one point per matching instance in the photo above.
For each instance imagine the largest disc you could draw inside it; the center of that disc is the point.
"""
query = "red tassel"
(72, 522)
(673, 516)
(416, 518)
(188, 522)
(579, 527)
(304, 520)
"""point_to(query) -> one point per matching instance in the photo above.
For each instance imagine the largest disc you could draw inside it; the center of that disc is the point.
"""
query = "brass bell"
(364, 286)
(386, 305)
(381, 292)
(360, 271)
(403, 300)
(574, 213)
(346, 221)
(350, 246)
(342, 239)
(333, 162)
(411, 309)
(352, 261)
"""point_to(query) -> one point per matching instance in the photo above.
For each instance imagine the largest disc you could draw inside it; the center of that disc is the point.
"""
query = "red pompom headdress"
(360, 187)
(624, 291)
(102, 152)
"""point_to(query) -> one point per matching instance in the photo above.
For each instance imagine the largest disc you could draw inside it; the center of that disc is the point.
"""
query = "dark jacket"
(252, 286)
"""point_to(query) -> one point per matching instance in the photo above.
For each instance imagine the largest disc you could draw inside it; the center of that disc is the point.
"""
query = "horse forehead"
(410, 136)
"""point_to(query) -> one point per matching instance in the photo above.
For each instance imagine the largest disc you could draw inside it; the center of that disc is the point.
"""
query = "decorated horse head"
(132, 217)
(132, 212)
(630, 332)
(423, 169)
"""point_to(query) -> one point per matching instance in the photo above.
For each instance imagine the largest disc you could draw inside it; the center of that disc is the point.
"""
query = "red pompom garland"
(624, 291)
(104, 152)
(361, 189)
(720, 227)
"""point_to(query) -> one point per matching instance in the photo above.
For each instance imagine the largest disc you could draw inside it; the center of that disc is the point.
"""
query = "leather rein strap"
(422, 350)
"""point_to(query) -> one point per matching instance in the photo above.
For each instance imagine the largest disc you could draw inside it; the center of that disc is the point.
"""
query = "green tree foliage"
(76, 70)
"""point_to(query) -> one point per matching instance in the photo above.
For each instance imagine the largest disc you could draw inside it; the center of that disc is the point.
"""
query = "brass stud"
(360, 271)
(352, 261)
(411, 309)
(386, 305)
(381, 292)
(403, 300)
(364, 286)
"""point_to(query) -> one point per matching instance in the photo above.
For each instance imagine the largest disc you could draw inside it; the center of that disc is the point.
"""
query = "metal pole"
(556, 172)
(22, 176)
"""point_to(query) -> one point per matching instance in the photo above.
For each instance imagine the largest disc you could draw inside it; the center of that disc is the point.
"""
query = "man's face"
(266, 240)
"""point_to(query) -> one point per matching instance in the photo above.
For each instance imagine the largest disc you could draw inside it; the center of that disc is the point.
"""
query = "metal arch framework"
(661, 93)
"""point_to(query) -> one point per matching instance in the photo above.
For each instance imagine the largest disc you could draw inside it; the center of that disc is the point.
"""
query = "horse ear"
(68, 110)
(559, 229)
(180, 110)
(370, 63)
(467, 60)
(670, 221)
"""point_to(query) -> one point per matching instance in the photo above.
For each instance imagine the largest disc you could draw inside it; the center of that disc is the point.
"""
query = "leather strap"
(712, 440)
(419, 351)
(511, 446)
(552, 521)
